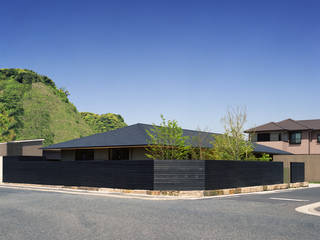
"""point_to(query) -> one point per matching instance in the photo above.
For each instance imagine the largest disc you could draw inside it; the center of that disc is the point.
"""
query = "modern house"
(301, 138)
(294, 136)
(126, 143)
(22, 148)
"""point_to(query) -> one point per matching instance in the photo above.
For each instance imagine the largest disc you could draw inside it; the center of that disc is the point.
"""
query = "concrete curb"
(172, 194)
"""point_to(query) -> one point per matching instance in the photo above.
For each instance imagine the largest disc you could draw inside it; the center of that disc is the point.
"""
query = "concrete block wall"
(312, 164)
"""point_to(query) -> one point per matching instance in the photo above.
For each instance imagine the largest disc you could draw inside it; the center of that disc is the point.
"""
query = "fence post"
(1, 169)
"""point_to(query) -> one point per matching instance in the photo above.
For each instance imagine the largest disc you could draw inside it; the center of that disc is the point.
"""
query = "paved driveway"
(27, 214)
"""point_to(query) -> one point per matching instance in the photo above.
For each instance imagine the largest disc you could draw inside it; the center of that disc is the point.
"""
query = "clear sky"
(188, 60)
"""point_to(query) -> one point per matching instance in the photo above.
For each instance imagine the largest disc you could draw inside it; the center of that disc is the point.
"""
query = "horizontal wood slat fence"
(143, 174)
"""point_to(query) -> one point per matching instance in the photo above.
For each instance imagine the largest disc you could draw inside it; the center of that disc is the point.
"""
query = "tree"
(199, 149)
(232, 145)
(167, 142)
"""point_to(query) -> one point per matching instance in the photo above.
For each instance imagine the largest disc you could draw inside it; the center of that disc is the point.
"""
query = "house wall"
(32, 148)
(312, 164)
(14, 149)
(101, 154)
(3, 149)
(284, 145)
(21, 148)
(68, 155)
(138, 154)
(52, 154)
(314, 145)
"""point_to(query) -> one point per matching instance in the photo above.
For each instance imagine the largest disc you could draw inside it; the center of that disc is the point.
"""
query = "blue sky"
(189, 60)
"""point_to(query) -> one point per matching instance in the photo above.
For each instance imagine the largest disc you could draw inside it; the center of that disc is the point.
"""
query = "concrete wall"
(21, 148)
(14, 149)
(1, 169)
(3, 149)
(32, 149)
(312, 164)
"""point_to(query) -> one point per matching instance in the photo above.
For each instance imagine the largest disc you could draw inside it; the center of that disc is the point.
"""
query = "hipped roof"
(136, 135)
(287, 125)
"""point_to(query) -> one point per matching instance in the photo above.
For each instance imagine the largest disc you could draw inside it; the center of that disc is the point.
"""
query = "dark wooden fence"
(296, 172)
(143, 174)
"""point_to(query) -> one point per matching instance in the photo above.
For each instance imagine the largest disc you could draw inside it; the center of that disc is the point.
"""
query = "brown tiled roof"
(271, 126)
(287, 125)
(313, 124)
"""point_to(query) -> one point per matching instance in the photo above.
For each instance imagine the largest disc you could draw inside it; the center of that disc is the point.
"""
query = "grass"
(45, 111)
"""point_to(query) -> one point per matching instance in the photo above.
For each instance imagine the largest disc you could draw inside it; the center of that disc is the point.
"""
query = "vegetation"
(103, 122)
(232, 145)
(31, 106)
(199, 149)
(167, 142)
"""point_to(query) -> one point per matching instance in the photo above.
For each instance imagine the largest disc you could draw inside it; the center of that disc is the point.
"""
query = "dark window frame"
(280, 137)
(120, 154)
(291, 140)
(262, 137)
(84, 155)
(318, 138)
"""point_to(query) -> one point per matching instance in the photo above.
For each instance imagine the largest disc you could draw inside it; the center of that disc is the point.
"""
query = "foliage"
(199, 150)
(232, 145)
(263, 158)
(25, 76)
(167, 142)
(103, 122)
(6, 126)
(31, 106)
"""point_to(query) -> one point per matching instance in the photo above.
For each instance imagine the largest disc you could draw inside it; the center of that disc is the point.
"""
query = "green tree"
(199, 149)
(233, 145)
(167, 142)
(103, 122)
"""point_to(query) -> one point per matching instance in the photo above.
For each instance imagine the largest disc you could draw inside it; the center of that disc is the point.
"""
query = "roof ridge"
(298, 123)
(277, 125)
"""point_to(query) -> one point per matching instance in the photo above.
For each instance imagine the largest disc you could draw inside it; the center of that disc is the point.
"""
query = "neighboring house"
(126, 143)
(296, 137)
(22, 148)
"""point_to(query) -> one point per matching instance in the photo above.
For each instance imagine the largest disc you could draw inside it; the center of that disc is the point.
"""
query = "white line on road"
(290, 199)
(310, 209)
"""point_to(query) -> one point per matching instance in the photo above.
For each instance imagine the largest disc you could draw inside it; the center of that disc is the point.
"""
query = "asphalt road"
(28, 214)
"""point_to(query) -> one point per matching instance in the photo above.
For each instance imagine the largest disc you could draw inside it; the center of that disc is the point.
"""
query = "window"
(120, 154)
(85, 154)
(279, 137)
(263, 137)
(295, 138)
(318, 138)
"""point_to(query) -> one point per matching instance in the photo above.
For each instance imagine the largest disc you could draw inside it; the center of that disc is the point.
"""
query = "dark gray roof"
(136, 135)
(287, 125)
(258, 148)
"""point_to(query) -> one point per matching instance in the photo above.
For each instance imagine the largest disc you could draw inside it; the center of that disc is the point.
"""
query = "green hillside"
(31, 106)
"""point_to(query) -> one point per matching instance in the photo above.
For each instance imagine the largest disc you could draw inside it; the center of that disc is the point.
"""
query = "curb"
(168, 194)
